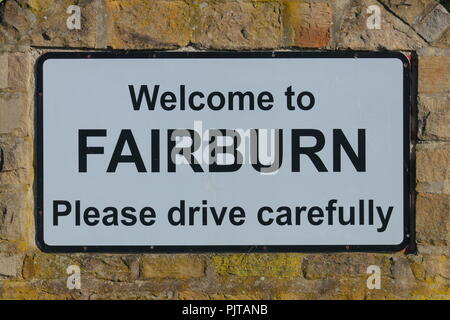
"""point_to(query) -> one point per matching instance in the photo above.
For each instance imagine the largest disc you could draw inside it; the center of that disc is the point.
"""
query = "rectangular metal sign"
(209, 151)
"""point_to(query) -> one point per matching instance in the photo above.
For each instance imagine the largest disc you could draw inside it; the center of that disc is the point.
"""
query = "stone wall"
(419, 28)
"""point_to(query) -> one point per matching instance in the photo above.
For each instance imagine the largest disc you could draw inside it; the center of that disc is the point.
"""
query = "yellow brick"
(276, 265)
(148, 24)
(173, 266)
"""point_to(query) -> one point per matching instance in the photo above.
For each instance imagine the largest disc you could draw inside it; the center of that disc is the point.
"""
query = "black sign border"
(408, 235)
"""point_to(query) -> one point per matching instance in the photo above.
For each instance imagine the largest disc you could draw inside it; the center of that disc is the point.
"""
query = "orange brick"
(307, 24)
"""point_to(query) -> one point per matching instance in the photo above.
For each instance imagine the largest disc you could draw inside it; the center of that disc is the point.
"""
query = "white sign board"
(167, 152)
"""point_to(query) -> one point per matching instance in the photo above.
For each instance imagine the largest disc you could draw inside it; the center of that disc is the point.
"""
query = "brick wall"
(416, 27)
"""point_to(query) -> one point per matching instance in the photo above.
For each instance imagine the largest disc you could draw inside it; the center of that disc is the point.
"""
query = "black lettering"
(126, 137)
(180, 210)
(57, 213)
(237, 216)
(358, 161)
(267, 222)
(130, 219)
(297, 150)
(143, 91)
(151, 215)
(84, 150)
(91, 219)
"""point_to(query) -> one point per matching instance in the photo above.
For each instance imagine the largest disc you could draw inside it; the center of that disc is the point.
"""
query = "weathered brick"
(26, 290)
(268, 265)
(192, 295)
(307, 24)
(47, 266)
(427, 18)
(14, 113)
(292, 296)
(433, 219)
(431, 289)
(404, 280)
(238, 24)
(16, 160)
(443, 41)
(222, 296)
(14, 205)
(345, 264)
(44, 23)
(433, 167)
(434, 74)
(434, 24)
(114, 268)
(426, 249)
(155, 289)
(428, 267)
(111, 268)
(10, 265)
(434, 117)
(13, 246)
(136, 24)
(179, 266)
(393, 34)
(15, 71)
(4, 61)
(410, 11)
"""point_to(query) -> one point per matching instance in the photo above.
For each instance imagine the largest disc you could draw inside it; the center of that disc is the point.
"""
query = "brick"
(3, 66)
(352, 265)
(292, 296)
(427, 18)
(192, 295)
(410, 11)
(307, 24)
(434, 117)
(14, 246)
(434, 74)
(10, 265)
(102, 267)
(426, 249)
(15, 71)
(268, 265)
(393, 34)
(44, 23)
(427, 267)
(15, 115)
(433, 168)
(25, 290)
(155, 289)
(437, 266)
(432, 219)
(403, 275)
(16, 160)
(14, 204)
(47, 266)
(443, 41)
(222, 296)
(434, 24)
(238, 25)
(136, 24)
(109, 268)
(179, 266)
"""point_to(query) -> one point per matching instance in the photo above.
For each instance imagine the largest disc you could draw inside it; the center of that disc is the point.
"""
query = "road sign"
(209, 151)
